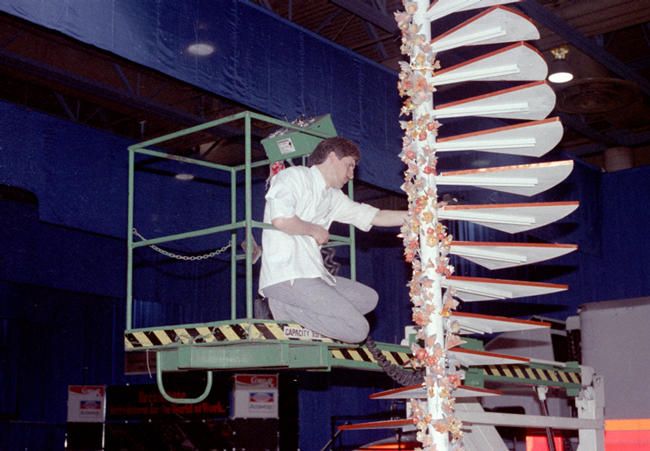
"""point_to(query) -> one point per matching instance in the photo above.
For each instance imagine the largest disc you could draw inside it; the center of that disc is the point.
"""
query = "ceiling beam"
(370, 14)
(593, 18)
(376, 43)
(537, 12)
(327, 22)
(53, 75)
(594, 135)
(123, 79)
(66, 107)
(601, 141)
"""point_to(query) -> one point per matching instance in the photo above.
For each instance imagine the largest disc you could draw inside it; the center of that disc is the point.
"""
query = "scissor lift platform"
(260, 344)
(268, 344)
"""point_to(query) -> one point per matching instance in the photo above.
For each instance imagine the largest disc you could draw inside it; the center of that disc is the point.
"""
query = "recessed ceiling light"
(184, 177)
(201, 49)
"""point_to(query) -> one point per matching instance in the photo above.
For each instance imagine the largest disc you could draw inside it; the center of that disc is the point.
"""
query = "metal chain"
(185, 257)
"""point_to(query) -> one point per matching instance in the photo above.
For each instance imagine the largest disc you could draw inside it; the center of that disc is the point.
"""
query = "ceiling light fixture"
(560, 70)
(201, 49)
(184, 176)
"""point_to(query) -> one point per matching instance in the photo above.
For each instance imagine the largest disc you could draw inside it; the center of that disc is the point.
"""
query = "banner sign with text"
(86, 403)
(255, 396)
(142, 402)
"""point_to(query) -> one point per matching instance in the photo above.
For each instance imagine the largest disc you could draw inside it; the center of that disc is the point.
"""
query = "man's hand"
(320, 234)
(296, 226)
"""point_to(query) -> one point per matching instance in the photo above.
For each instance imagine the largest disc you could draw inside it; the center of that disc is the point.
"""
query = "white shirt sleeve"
(355, 213)
(281, 198)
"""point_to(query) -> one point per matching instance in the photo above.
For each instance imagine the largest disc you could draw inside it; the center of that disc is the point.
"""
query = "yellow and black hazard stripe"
(536, 374)
(216, 335)
(185, 335)
(364, 355)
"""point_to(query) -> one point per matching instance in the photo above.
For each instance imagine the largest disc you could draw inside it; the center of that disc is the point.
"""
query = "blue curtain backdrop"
(261, 61)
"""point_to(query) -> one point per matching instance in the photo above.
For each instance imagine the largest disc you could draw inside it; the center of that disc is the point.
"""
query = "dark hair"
(342, 147)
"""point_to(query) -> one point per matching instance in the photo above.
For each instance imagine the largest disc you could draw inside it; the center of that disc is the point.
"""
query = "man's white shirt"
(300, 191)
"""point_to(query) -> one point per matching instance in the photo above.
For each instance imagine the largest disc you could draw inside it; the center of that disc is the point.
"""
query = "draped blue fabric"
(79, 176)
(624, 271)
(261, 61)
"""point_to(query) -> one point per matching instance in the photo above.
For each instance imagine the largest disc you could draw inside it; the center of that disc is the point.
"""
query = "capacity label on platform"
(300, 333)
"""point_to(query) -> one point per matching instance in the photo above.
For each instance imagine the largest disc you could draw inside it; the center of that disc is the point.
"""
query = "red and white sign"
(255, 396)
(86, 403)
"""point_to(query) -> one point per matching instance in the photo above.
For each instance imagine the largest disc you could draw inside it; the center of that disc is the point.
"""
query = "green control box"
(289, 143)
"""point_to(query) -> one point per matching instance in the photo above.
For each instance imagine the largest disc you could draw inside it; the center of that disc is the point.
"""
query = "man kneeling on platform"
(302, 202)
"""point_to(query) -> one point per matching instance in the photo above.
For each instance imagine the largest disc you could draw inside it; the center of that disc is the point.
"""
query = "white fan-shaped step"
(532, 101)
(510, 218)
(418, 391)
(508, 255)
(518, 62)
(477, 418)
(404, 424)
(497, 25)
(467, 357)
(472, 323)
(524, 179)
(442, 8)
(532, 139)
(471, 289)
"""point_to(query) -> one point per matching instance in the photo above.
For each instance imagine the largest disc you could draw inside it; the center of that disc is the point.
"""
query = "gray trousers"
(334, 311)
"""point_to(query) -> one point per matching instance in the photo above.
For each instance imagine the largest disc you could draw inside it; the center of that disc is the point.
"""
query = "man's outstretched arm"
(296, 226)
(389, 218)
